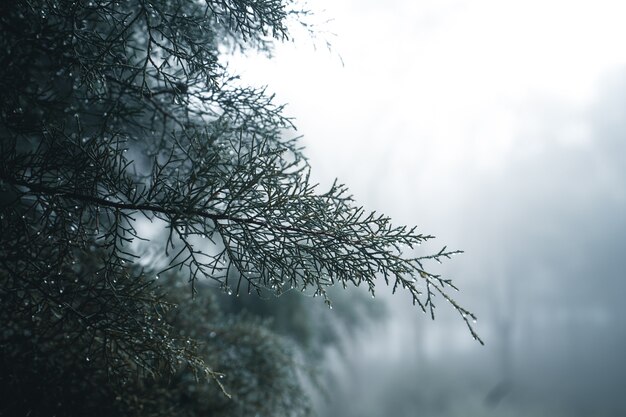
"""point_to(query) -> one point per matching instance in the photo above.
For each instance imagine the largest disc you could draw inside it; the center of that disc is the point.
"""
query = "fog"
(499, 127)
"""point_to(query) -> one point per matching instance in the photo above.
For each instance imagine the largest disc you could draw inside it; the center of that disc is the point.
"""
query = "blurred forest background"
(500, 126)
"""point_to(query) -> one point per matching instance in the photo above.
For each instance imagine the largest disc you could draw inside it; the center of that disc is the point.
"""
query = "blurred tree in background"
(116, 115)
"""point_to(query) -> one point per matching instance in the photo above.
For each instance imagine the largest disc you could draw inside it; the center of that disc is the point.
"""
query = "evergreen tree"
(114, 113)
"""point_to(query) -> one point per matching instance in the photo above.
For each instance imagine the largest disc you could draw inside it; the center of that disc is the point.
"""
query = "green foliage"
(83, 345)
(118, 112)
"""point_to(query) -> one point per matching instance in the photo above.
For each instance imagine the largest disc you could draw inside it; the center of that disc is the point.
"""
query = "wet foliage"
(118, 113)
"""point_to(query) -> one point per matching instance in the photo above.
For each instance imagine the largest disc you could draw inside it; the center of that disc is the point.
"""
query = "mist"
(498, 127)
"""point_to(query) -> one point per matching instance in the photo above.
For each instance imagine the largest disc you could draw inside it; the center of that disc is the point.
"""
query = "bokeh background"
(497, 126)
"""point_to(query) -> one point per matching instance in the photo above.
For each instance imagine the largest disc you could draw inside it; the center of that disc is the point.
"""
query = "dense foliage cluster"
(117, 113)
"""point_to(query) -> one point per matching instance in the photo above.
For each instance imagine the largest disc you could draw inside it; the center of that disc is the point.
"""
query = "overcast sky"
(499, 127)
